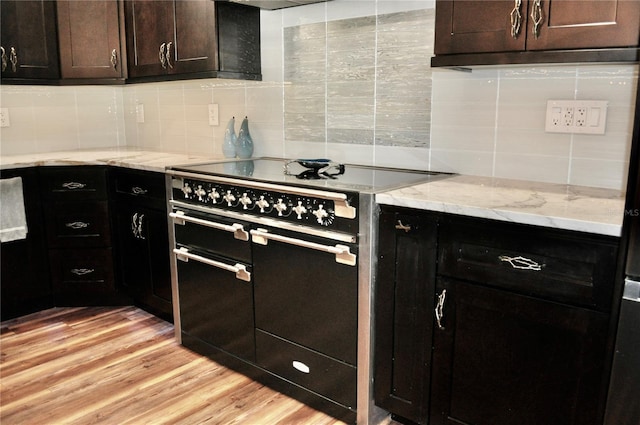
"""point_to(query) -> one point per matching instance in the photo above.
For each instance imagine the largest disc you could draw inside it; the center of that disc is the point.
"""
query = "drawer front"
(326, 376)
(147, 186)
(82, 270)
(74, 183)
(557, 265)
(76, 224)
(213, 240)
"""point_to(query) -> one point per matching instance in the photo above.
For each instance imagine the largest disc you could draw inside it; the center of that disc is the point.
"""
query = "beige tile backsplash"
(356, 89)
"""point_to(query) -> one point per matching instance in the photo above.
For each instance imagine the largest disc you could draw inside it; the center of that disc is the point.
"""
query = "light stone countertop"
(578, 208)
(123, 157)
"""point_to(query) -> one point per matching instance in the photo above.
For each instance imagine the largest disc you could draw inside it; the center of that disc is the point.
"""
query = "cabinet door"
(405, 286)
(585, 24)
(28, 37)
(143, 252)
(89, 39)
(149, 27)
(170, 37)
(472, 26)
(503, 359)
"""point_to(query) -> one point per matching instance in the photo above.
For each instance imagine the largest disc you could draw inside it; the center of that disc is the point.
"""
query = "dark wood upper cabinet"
(28, 39)
(178, 38)
(472, 32)
(90, 34)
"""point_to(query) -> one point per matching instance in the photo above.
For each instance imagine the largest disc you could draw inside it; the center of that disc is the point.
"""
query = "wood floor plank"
(121, 365)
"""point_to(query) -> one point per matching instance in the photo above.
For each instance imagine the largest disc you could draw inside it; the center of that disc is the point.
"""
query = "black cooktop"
(315, 174)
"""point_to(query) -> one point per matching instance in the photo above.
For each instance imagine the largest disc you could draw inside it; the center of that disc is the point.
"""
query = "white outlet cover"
(5, 121)
(213, 114)
(576, 116)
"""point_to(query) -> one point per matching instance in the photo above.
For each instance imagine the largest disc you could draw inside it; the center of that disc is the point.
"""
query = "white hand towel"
(13, 221)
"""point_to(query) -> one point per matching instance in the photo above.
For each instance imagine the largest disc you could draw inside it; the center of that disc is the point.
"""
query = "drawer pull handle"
(73, 185)
(240, 270)
(179, 218)
(138, 190)
(440, 308)
(301, 367)
(82, 272)
(521, 263)
(536, 16)
(405, 227)
(77, 225)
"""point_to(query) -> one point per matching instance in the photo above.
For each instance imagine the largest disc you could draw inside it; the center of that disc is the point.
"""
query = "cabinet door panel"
(587, 24)
(472, 26)
(149, 25)
(29, 27)
(194, 47)
(89, 34)
(503, 359)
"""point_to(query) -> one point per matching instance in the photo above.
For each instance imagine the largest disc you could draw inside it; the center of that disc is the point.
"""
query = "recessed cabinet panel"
(89, 38)
(28, 37)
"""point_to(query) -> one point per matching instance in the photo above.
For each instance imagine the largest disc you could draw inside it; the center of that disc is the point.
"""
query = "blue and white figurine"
(230, 141)
(244, 145)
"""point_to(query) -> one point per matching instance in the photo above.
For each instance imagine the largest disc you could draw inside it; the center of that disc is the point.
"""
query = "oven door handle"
(342, 252)
(179, 217)
(240, 270)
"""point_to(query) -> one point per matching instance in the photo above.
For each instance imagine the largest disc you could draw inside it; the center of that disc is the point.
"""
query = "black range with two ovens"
(272, 272)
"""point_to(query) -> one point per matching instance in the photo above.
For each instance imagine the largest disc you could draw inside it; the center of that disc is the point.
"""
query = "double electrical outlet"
(576, 116)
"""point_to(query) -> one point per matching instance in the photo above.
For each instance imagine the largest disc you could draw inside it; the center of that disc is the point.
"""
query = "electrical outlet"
(4, 117)
(213, 114)
(576, 116)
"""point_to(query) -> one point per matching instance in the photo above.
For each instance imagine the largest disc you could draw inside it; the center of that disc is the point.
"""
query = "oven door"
(215, 291)
(306, 296)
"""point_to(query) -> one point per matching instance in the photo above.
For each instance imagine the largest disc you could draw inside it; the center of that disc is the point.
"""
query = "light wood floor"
(122, 366)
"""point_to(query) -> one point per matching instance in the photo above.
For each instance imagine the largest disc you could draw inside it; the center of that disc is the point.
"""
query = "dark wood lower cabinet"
(24, 276)
(405, 285)
(502, 358)
(495, 324)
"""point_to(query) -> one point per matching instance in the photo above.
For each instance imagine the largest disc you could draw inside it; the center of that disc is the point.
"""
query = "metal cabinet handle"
(406, 227)
(521, 263)
(13, 58)
(536, 15)
(440, 307)
(137, 190)
(168, 54)
(4, 59)
(73, 185)
(179, 217)
(136, 225)
(82, 272)
(342, 252)
(516, 18)
(114, 59)
(162, 56)
(76, 225)
(240, 270)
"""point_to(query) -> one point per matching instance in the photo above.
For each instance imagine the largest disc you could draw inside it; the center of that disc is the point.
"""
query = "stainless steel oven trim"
(342, 207)
(267, 221)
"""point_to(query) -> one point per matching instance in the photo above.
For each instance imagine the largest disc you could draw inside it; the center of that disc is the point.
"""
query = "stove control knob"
(229, 198)
(245, 200)
(299, 210)
(321, 215)
(281, 207)
(214, 195)
(200, 193)
(186, 189)
(262, 203)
